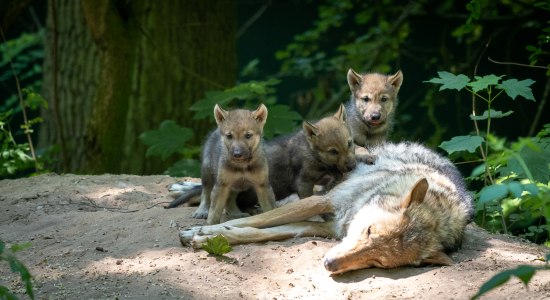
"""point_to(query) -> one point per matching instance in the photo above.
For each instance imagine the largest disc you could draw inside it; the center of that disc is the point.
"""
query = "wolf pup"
(410, 208)
(372, 106)
(299, 160)
(233, 161)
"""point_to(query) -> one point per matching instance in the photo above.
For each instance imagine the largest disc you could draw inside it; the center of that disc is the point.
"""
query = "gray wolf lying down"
(409, 208)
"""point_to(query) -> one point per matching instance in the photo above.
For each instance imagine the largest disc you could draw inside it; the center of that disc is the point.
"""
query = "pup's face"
(375, 95)
(241, 131)
(331, 139)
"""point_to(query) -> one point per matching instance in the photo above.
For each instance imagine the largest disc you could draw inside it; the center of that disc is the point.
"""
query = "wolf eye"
(333, 151)
(366, 98)
(384, 99)
(248, 135)
(350, 143)
(228, 136)
(369, 230)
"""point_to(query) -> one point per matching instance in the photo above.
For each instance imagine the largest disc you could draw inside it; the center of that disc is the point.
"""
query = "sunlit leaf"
(217, 245)
(514, 88)
(524, 273)
(462, 143)
(495, 114)
(450, 81)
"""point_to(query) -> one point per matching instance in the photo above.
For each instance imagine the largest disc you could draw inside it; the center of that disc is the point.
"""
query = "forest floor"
(102, 237)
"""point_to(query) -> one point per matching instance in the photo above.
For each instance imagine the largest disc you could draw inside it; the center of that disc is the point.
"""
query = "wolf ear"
(310, 129)
(354, 79)
(260, 114)
(417, 193)
(396, 80)
(219, 114)
(438, 258)
(341, 113)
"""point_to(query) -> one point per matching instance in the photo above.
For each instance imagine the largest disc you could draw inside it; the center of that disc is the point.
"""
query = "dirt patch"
(102, 237)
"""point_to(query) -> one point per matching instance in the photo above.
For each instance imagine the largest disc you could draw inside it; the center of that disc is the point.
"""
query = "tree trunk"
(125, 66)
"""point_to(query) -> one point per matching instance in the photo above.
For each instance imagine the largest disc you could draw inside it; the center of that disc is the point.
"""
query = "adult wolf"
(409, 208)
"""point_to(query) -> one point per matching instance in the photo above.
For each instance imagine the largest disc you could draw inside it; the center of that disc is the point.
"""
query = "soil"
(103, 237)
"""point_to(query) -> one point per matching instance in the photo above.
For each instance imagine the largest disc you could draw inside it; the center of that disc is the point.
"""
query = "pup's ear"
(439, 258)
(219, 114)
(309, 129)
(396, 80)
(354, 79)
(341, 113)
(417, 193)
(260, 114)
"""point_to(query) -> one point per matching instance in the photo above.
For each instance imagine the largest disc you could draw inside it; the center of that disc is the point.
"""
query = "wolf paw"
(196, 236)
(200, 214)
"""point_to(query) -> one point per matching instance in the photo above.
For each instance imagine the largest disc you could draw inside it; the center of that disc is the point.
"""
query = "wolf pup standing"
(410, 208)
(298, 161)
(233, 161)
(372, 106)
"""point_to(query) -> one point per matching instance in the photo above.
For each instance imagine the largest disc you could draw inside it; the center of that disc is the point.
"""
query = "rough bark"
(124, 67)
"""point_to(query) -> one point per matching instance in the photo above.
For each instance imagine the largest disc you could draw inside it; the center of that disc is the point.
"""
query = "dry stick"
(22, 104)
(545, 94)
(252, 19)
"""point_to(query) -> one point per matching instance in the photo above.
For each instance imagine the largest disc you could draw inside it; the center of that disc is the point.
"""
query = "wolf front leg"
(244, 235)
(265, 195)
(290, 213)
(218, 201)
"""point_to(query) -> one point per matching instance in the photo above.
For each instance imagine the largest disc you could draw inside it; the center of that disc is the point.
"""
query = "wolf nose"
(237, 153)
(375, 116)
(330, 264)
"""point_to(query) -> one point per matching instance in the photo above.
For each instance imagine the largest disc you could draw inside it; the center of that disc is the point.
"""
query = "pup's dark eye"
(248, 136)
(350, 143)
(228, 136)
(384, 99)
(366, 98)
(369, 230)
(333, 151)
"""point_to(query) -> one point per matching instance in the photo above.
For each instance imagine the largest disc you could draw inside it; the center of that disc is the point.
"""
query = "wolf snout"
(330, 264)
(239, 153)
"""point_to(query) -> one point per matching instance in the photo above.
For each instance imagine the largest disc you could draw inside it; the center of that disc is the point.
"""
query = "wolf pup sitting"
(372, 106)
(233, 161)
(298, 161)
(410, 208)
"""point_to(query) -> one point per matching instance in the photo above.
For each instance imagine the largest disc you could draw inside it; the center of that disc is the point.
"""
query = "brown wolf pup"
(409, 208)
(234, 161)
(372, 106)
(298, 161)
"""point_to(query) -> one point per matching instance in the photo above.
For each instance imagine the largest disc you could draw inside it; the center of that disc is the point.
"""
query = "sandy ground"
(102, 237)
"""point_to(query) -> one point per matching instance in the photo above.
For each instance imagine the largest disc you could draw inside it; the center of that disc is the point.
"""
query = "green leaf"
(514, 88)
(515, 188)
(450, 81)
(462, 143)
(280, 120)
(217, 245)
(524, 273)
(481, 83)
(495, 114)
(19, 247)
(185, 167)
(167, 140)
(491, 193)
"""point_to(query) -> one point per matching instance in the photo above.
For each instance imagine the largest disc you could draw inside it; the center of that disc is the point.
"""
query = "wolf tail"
(189, 192)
